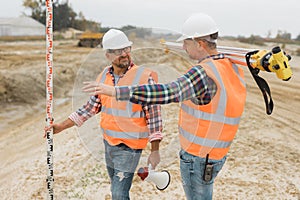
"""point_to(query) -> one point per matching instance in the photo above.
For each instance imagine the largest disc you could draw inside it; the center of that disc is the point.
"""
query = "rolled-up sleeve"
(91, 108)
(153, 118)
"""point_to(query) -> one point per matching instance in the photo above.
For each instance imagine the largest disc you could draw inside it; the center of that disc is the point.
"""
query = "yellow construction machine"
(90, 39)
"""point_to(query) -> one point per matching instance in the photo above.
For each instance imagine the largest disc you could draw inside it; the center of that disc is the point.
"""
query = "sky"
(233, 17)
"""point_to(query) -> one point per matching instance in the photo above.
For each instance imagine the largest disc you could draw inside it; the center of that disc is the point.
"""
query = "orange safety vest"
(210, 129)
(123, 121)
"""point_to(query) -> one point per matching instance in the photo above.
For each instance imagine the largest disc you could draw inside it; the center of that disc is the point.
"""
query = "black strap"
(206, 159)
(262, 84)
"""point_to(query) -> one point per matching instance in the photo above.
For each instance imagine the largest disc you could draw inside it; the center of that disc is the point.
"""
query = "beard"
(124, 64)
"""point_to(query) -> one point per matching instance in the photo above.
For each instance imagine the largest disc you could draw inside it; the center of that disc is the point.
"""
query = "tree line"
(63, 16)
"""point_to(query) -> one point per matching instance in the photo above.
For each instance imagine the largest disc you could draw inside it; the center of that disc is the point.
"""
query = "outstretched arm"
(194, 84)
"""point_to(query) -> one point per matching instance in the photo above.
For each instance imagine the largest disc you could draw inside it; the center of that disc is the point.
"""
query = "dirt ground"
(263, 162)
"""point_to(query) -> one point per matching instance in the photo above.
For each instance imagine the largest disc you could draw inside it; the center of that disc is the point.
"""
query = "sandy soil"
(263, 162)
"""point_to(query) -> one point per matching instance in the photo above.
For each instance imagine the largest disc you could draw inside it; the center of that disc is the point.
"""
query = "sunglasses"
(119, 52)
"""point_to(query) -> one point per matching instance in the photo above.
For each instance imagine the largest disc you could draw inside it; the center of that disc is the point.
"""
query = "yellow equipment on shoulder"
(271, 61)
(276, 61)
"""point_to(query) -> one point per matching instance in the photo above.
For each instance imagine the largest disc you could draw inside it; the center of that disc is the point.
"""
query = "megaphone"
(160, 179)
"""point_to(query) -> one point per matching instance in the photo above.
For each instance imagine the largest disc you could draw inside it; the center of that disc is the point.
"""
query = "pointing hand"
(95, 88)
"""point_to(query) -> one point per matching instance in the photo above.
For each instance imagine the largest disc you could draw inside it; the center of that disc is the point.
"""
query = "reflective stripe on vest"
(122, 113)
(211, 116)
(127, 135)
(236, 69)
(204, 141)
(223, 96)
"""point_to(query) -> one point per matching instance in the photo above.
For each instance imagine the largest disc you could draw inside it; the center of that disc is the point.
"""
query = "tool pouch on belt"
(208, 170)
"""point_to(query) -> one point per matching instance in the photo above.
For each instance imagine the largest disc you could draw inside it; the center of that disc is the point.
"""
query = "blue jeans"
(121, 163)
(192, 170)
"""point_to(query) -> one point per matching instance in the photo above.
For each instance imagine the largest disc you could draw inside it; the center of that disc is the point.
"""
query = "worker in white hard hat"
(126, 127)
(213, 95)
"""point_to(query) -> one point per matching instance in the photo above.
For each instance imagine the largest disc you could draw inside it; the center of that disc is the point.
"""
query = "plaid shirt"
(93, 107)
(194, 85)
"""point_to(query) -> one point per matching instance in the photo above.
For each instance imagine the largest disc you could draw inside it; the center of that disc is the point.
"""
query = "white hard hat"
(198, 25)
(115, 39)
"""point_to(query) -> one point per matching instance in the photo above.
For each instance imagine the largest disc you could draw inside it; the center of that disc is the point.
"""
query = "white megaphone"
(161, 179)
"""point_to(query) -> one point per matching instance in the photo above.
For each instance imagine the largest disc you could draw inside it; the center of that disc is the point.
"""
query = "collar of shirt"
(214, 57)
(111, 72)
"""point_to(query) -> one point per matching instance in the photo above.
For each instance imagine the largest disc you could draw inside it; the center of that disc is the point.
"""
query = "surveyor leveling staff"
(49, 95)
(273, 61)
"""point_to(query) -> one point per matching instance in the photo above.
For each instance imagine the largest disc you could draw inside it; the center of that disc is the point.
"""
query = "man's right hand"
(57, 128)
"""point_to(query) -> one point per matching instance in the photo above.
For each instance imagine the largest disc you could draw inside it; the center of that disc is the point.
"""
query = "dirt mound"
(23, 71)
